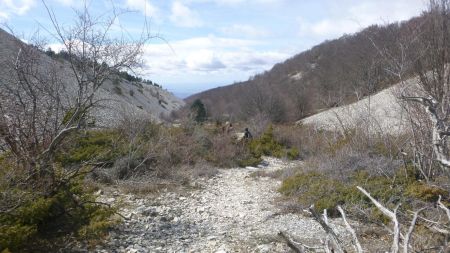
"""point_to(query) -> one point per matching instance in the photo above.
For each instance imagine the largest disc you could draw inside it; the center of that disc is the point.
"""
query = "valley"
(343, 146)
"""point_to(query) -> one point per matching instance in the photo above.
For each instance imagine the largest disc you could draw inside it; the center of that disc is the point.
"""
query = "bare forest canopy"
(333, 73)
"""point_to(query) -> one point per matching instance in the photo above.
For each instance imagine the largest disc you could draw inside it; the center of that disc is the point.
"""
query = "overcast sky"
(210, 43)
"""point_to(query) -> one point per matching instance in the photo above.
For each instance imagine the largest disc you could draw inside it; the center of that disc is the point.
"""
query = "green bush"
(314, 188)
(266, 145)
(425, 192)
(249, 161)
(326, 192)
(92, 145)
(199, 111)
(42, 220)
(292, 153)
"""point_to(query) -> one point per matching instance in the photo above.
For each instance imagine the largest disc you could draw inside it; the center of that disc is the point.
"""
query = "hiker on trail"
(227, 128)
(247, 134)
(230, 128)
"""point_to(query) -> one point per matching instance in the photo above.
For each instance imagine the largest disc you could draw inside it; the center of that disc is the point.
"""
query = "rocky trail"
(231, 212)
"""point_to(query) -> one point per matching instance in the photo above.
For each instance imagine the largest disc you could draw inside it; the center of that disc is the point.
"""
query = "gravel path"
(232, 212)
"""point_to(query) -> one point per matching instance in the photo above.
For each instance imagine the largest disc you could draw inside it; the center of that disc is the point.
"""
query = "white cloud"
(329, 27)
(183, 16)
(3, 16)
(244, 31)
(205, 55)
(14, 7)
(144, 6)
(204, 62)
(359, 15)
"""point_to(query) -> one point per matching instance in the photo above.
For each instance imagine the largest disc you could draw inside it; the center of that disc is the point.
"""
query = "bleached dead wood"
(333, 238)
(411, 230)
(443, 207)
(440, 126)
(392, 216)
(355, 240)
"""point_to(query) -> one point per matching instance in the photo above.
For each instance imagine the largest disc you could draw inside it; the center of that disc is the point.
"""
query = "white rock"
(264, 248)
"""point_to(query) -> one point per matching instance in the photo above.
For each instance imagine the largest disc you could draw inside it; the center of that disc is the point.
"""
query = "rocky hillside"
(382, 112)
(117, 97)
(333, 73)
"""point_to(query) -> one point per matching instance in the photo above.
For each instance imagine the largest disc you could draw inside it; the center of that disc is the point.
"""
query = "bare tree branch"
(335, 241)
(443, 207)
(411, 230)
(391, 215)
(355, 240)
(290, 243)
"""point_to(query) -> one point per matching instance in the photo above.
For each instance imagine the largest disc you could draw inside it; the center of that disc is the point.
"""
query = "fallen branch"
(433, 225)
(443, 207)
(355, 240)
(391, 214)
(290, 243)
(335, 242)
(410, 230)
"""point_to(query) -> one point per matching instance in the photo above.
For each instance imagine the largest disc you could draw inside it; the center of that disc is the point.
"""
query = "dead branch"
(410, 230)
(391, 215)
(355, 240)
(433, 225)
(290, 243)
(335, 241)
(443, 207)
(439, 128)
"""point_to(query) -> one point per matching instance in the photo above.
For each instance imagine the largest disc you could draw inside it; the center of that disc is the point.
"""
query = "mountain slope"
(333, 73)
(379, 113)
(117, 97)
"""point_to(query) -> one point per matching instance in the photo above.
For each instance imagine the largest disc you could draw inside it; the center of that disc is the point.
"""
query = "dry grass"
(145, 188)
(263, 173)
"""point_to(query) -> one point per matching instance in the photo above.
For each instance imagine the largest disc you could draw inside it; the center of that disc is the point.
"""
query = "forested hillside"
(330, 74)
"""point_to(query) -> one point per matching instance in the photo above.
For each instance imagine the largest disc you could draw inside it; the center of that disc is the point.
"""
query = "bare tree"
(424, 52)
(260, 101)
(433, 70)
(43, 101)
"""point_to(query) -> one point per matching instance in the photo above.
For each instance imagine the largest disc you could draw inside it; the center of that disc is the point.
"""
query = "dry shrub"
(258, 124)
(332, 170)
(204, 170)
(291, 171)
(306, 139)
(151, 150)
(142, 187)
(347, 160)
(225, 151)
(263, 173)
(102, 176)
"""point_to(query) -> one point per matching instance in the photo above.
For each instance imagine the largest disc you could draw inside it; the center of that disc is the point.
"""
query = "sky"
(202, 44)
